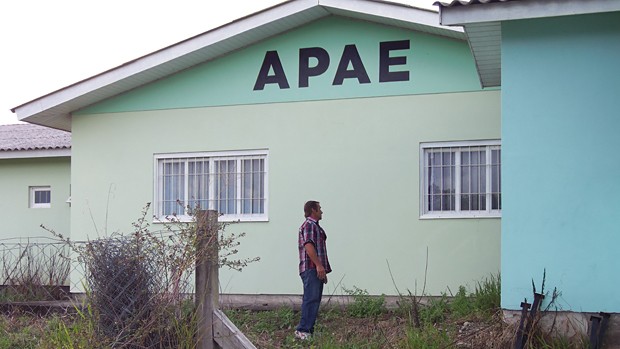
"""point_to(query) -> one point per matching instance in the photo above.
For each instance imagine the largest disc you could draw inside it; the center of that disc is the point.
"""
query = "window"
(232, 183)
(41, 197)
(461, 179)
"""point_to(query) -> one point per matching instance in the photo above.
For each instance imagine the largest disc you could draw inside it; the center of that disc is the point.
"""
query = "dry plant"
(139, 285)
(33, 271)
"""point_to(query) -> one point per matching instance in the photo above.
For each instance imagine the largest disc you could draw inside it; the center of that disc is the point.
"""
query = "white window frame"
(214, 156)
(32, 194)
(457, 213)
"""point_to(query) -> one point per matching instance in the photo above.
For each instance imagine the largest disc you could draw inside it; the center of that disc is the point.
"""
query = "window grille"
(234, 184)
(461, 179)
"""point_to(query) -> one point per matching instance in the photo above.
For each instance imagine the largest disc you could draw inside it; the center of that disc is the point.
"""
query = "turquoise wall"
(560, 125)
(18, 219)
(435, 64)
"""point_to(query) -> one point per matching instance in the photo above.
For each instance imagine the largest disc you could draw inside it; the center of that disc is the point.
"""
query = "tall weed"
(435, 311)
(364, 305)
(427, 337)
(463, 303)
(487, 294)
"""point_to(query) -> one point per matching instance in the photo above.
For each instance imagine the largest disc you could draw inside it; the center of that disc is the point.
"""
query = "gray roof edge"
(461, 12)
(16, 138)
(38, 153)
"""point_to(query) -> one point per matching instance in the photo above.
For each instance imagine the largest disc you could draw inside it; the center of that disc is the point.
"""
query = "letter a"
(350, 55)
(271, 61)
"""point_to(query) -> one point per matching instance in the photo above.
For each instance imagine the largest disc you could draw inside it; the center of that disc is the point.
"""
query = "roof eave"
(484, 19)
(524, 9)
(55, 109)
(35, 153)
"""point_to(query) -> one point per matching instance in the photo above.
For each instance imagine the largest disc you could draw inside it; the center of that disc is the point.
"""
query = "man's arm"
(320, 270)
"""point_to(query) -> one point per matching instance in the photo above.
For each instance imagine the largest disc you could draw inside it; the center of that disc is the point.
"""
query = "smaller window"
(40, 197)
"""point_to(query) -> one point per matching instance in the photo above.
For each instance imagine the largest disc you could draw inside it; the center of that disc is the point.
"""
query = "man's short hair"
(309, 206)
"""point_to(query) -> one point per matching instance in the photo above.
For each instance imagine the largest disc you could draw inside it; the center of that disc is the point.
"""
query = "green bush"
(485, 300)
(427, 337)
(435, 311)
(463, 303)
(364, 305)
(487, 295)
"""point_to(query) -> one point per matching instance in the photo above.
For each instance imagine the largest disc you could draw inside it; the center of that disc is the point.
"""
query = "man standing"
(313, 267)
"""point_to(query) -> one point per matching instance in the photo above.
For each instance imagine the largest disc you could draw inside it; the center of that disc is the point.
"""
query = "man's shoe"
(302, 335)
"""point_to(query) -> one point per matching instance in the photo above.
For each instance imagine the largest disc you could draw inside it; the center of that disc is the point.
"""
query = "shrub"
(487, 295)
(138, 283)
(427, 337)
(364, 305)
(435, 311)
(462, 304)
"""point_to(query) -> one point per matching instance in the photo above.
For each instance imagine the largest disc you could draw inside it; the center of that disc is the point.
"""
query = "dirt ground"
(388, 330)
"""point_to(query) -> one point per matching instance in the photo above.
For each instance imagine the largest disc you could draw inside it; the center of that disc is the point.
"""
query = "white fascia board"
(29, 154)
(394, 11)
(513, 10)
(66, 101)
(162, 56)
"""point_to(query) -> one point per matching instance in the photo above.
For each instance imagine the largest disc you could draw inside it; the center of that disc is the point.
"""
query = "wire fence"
(41, 272)
(34, 270)
(133, 284)
(139, 287)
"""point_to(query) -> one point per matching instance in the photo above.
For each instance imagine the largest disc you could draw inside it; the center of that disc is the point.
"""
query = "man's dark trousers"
(313, 292)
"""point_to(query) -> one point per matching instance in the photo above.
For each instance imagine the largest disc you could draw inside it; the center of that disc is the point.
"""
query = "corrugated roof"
(25, 137)
(483, 24)
(484, 40)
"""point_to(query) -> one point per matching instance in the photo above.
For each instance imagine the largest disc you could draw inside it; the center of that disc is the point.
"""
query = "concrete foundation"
(571, 325)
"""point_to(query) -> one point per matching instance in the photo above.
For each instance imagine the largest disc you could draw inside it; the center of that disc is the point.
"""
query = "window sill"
(222, 219)
(460, 216)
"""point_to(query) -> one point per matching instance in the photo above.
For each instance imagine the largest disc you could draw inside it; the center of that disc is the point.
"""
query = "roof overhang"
(35, 153)
(482, 19)
(478, 11)
(55, 109)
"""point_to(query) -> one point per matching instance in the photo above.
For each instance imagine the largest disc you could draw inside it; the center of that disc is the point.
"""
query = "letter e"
(385, 61)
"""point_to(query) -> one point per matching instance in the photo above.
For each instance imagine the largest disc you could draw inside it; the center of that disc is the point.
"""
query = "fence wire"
(32, 273)
(138, 288)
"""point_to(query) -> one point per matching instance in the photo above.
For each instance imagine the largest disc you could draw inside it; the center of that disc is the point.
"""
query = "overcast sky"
(47, 45)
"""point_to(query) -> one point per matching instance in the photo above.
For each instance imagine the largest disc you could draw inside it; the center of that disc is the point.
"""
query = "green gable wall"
(435, 64)
(561, 168)
(359, 157)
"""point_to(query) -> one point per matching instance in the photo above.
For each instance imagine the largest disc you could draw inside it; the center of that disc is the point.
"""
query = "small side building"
(35, 181)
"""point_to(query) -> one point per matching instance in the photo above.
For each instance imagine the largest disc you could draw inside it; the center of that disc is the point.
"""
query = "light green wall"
(16, 176)
(359, 157)
(436, 64)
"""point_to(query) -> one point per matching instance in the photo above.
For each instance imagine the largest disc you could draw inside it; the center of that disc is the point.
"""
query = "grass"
(367, 323)
(23, 332)
(467, 319)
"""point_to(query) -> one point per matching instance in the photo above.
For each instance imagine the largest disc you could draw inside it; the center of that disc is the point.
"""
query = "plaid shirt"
(311, 232)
